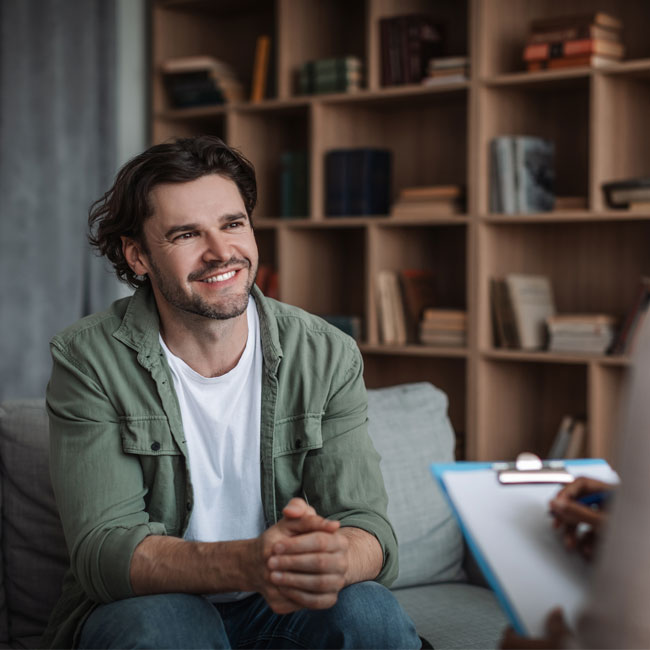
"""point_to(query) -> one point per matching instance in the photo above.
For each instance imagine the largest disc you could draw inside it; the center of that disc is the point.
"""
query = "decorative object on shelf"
(627, 334)
(443, 327)
(447, 69)
(569, 441)
(581, 333)
(200, 81)
(567, 41)
(407, 45)
(294, 181)
(351, 325)
(267, 280)
(260, 68)
(418, 293)
(390, 307)
(521, 305)
(522, 175)
(429, 201)
(357, 182)
(339, 75)
(626, 193)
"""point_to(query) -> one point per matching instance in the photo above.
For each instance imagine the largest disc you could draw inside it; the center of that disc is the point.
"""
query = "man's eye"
(185, 235)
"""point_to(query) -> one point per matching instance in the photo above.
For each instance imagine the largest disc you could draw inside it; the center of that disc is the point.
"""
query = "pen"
(598, 499)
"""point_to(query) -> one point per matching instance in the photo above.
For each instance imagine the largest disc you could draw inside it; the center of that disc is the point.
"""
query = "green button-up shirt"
(119, 460)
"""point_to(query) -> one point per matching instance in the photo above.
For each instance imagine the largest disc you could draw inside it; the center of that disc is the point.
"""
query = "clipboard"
(509, 531)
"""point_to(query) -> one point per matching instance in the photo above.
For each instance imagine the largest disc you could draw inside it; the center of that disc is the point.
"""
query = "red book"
(581, 46)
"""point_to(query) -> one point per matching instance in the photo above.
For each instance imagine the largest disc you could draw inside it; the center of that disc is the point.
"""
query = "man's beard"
(231, 305)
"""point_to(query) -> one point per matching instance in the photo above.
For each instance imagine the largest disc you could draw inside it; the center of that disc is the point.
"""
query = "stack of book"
(447, 69)
(200, 81)
(570, 439)
(522, 174)
(407, 44)
(294, 181)
(567, 41)
(357, 181)
(628, 333)
(581, 333)
(429, 201)
(631, 194)
(444, 327)
(521, 305)
(340, 75)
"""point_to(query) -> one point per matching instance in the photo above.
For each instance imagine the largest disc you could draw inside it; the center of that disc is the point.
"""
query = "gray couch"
(409, 426)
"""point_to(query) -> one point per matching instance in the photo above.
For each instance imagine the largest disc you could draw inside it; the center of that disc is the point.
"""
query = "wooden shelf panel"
(554, 357)
(413, 350)
(566, 217)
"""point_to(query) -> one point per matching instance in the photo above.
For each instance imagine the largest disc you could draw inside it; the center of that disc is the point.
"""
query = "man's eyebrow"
(186, 227)
(234, 216)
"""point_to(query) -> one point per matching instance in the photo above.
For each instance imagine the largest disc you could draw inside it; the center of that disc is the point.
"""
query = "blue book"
(357, 182)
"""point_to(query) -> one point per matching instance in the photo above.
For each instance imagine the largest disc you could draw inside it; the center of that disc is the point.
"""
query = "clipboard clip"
(529, 468)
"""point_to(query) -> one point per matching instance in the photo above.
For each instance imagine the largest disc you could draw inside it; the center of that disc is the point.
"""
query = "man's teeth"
(220, 278)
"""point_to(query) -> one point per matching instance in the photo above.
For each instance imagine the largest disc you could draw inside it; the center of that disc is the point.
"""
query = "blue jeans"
(365, 616)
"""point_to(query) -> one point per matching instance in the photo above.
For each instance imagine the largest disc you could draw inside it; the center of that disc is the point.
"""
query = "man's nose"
(217, 247)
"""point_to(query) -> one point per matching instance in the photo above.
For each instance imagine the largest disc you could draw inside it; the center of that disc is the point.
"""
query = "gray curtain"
(57, 155)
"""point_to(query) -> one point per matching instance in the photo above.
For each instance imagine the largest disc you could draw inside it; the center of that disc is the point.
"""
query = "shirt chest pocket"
(298, 434)
(147, 436)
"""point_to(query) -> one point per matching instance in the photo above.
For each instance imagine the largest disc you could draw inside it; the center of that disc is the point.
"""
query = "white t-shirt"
(221, 420)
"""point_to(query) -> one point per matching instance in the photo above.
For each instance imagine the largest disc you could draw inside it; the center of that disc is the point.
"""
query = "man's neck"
(208, 346)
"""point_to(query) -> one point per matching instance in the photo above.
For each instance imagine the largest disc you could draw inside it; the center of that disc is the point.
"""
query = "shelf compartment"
(263, 135)
(593, 267)
(544, 111)
(622, 145)
(447, 374)
(408, 126)
(227, 31)
(310, 30)
(503, 28)
(441, 249)
(452, 14)
(323, 270)
(521, 405)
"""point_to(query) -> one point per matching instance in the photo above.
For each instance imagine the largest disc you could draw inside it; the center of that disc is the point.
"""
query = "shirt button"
(155, 446)
(188, 505)
(298, 443)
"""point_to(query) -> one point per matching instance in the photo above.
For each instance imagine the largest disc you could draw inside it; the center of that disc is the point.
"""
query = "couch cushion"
(454, 615)
(410, 429)
(32, 539)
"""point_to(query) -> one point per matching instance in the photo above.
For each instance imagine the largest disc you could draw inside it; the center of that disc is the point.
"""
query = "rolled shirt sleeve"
(98, 488)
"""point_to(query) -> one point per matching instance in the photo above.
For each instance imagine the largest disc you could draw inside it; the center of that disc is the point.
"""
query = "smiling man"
(209, 447)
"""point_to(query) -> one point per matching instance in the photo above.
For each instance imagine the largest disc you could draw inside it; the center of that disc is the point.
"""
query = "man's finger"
(308, 563)
(309, 523)
(311, 542)
(313, 583)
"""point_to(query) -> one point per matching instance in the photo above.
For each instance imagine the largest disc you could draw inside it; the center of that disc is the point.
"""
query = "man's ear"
(134, 256)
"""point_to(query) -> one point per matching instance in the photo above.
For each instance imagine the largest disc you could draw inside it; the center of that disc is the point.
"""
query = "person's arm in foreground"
(570, 515)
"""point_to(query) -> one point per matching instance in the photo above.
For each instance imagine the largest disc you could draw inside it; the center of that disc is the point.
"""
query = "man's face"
(201, 255)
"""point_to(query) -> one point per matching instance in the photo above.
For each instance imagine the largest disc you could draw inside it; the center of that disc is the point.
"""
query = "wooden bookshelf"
(503, 401)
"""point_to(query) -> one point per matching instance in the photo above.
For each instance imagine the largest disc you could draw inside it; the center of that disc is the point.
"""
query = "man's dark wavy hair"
(123, 210)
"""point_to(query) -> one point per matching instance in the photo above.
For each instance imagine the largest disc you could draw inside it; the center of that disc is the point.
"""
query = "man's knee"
(158, 621)
(369, 616)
